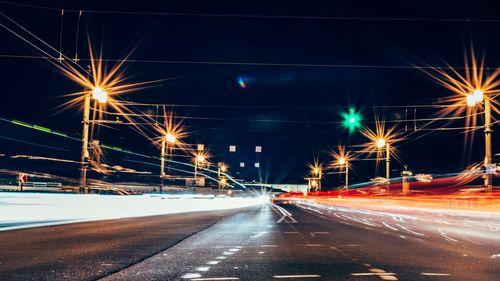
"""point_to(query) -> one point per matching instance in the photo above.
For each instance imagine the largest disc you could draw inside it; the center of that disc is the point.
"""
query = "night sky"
(303, 63)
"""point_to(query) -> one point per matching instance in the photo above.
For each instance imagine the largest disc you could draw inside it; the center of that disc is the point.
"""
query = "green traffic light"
(352, 120)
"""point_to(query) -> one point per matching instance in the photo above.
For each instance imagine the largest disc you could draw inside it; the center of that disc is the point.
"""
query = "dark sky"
(350, 49)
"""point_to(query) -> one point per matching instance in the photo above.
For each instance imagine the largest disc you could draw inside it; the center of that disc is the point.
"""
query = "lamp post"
(199, 159)
(169, 138)
(477, 96)
(381, 143)
(343, 162)
(221, 169)
(101, 96)
(317, 173)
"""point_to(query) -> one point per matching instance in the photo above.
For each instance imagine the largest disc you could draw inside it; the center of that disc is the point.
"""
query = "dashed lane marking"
(434, 274)
(215, 278)
(190, 275)
(296, 276)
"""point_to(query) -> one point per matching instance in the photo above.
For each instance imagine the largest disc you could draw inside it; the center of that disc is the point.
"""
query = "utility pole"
(162, 163)
(346, 176)
(85, 143)
(487, 142)
(388, 164)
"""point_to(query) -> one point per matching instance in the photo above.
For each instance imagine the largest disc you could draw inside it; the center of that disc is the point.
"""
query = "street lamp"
(199, 159)
(381, 143)
(477, 96)
(316, 173)
(169, 138)
(101, 96)
(221, 170)
(343, 161)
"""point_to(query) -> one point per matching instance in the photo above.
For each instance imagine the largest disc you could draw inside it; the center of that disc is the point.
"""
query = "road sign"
(23, 178)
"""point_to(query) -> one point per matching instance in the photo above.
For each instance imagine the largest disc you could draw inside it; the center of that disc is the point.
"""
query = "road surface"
(306, 242)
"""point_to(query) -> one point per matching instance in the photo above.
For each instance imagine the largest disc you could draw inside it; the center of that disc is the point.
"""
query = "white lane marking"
(190, 275)
(377, 272)
(203, 268)
(215, 278)
(234, 250)
(390, 227)
(261, 252)
(268, 246)
(296, 276)
(213, 262)
(373, 274)
(410, 231)
(228, 253)
(220, 258)
(282, 210)
(495, 256)
(388, 277)
(434, 274)
(289, 218)
(285, 215)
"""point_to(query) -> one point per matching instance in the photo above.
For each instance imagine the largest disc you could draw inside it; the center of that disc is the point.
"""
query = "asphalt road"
(88, 251)
(306, 242)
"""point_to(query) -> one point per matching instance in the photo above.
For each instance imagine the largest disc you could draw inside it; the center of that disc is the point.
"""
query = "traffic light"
(352, 120)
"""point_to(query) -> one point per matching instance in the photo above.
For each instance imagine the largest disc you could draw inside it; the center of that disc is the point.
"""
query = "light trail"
(52, 209)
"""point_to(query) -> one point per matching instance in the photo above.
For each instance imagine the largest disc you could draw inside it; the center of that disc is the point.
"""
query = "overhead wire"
(259, 16)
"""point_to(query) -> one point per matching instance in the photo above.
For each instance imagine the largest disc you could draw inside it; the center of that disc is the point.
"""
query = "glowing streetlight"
(200, 159)
(478, 95)
(171, 139)
(222, 169)
(472, 100)
(316, 171)
(380, 143)
(316, 175)
(101, 96)
(342, 161)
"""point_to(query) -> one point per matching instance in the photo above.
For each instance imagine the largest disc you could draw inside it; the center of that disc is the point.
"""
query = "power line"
(257, 16)
(152, 116)
(263, 64)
